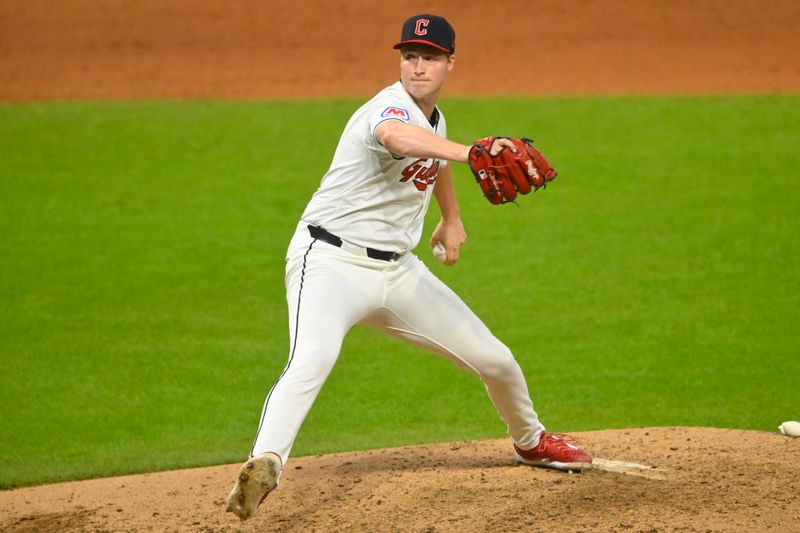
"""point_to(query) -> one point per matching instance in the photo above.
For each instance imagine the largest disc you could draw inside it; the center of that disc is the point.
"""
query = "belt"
(330, 238)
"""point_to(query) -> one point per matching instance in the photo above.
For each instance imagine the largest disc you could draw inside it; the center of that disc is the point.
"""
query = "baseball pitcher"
(351, 260)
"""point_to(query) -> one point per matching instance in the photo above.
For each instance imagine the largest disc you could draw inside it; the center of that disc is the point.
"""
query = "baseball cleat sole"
(556, 465)
(255, 480)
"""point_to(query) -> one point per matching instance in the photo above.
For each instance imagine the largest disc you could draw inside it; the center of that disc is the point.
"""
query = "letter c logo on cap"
(422, 25)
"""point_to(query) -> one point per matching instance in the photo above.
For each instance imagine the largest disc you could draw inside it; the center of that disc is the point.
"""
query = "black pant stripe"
(291, 355)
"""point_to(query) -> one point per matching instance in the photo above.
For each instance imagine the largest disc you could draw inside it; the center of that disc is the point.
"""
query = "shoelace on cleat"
(560, 440)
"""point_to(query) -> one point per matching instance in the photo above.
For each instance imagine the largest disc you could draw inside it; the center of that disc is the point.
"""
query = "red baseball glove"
(502, 173)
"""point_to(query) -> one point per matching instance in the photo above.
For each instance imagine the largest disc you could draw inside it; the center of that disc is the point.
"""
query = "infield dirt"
(703, 479)
(707, 480)
(264, 49)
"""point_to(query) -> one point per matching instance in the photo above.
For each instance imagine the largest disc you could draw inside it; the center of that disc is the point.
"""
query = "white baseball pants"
(329, 290)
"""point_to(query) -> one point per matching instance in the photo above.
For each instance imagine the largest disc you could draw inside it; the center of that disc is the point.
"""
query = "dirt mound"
(257, 49)
(687, 479)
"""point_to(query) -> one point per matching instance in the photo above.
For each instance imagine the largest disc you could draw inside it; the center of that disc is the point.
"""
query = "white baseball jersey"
(369, 196)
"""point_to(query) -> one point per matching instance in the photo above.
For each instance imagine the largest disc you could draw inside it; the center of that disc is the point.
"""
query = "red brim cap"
(422, 41)
(430, 30)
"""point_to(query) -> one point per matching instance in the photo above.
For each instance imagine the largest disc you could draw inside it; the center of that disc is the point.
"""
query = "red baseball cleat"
(555, 451)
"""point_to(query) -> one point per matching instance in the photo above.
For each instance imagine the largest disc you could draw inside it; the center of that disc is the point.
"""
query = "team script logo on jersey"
(396, 112)
(421, 175)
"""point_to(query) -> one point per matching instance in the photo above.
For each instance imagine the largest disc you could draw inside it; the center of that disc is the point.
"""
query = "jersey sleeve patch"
(396, 112)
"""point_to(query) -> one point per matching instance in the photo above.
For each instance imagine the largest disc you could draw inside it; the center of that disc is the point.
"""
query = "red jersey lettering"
(420, 175)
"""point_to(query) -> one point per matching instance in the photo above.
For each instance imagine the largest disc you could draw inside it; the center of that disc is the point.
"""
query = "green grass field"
(143, 319)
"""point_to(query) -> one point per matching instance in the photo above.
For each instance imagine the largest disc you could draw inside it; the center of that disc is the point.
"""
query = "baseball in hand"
(791, 429)
(439, 252)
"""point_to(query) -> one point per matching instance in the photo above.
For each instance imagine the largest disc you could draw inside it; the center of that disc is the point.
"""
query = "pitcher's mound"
(650, 479)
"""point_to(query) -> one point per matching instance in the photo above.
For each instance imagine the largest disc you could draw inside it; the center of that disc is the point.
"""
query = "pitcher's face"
(423, 70)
